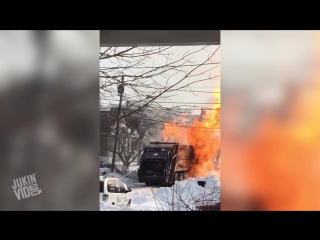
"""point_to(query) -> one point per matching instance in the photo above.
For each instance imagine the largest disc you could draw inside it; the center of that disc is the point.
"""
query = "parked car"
(114, 191)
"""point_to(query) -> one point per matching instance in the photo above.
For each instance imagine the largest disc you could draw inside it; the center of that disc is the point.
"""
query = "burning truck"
(163, 163)
(199, 155)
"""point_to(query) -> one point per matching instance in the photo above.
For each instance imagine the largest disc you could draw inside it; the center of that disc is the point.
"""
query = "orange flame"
(278, 167)
(290, 166)
(203, 134)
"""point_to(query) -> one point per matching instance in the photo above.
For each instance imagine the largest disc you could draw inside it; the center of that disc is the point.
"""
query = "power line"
(193, 91)
(187, 102)
(145, 67)
(193, 109)
(172, 124)
(200, 127)
(183, 110)
(202, 87)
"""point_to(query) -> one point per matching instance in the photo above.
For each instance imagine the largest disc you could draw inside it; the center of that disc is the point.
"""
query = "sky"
(185, 97)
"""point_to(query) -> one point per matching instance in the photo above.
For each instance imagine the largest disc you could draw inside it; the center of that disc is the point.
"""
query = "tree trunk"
(139, 153)
(101, 145)
(107, 147)
(126, 164)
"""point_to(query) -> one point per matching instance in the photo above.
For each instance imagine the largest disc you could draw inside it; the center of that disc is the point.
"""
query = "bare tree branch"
(148, 79)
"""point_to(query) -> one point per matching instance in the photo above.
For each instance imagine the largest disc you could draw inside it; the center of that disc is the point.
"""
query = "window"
(102, 186)
(113, 186)
(123, 188)
(118, 189)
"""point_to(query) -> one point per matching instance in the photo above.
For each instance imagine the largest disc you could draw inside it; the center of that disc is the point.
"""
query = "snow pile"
(104, 170)
(128, 174)
(108, 207)
(135, 209)
(106, 167)
(133, 167)
(133, 175)
(212, 183)
(126, 181)
(181, 197)
(142, 199)
(186, 194)
(145, 199)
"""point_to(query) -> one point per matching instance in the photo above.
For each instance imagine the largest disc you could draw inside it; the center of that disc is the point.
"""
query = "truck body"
(163, 163)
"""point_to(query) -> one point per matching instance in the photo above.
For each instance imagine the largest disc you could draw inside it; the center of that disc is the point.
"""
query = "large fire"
(286, 176)
(277, 166)
(203, 134)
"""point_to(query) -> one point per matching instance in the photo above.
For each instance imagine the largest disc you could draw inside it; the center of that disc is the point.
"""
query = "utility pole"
(120, 91)
(201, 116)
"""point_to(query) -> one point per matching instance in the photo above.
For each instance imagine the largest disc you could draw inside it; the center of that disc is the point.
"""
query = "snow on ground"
(142, 199)
(185, 194)
(108, 207)
(180, 197)
(212, 182)
(133, 167)
(104, 170)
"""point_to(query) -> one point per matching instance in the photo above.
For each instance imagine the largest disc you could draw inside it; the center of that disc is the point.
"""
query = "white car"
(114, 191)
